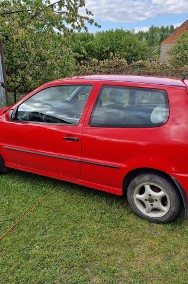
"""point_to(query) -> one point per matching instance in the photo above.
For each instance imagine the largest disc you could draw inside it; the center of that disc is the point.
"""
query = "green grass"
(78, 235)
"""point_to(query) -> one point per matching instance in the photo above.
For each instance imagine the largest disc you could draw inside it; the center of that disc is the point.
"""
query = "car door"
(45, 135)
(119, 131)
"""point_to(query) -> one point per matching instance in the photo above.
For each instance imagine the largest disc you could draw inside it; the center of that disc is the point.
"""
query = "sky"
(137, 14)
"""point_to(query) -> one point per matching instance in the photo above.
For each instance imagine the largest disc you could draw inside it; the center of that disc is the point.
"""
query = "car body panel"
(44, 149)
(135, 148)
(3, 110)
(102, 156)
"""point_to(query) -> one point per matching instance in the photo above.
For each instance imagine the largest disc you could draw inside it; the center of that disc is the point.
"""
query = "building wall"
(171, 40)
(164, 52)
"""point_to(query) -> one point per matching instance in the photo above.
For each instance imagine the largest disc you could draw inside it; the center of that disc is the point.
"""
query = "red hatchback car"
(120, 134)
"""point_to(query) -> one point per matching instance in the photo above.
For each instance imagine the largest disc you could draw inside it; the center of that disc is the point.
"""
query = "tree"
(35, 36)
(179, 53)
(82, 45)
(153, 38)
(63, 15)
(117, 43)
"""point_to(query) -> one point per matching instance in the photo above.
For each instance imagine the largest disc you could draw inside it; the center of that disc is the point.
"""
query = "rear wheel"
(154, 198)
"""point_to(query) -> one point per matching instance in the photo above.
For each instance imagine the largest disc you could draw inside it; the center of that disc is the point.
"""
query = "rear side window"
(130, 107)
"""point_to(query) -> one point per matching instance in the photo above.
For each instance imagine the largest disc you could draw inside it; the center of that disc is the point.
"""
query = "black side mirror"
(11, 114)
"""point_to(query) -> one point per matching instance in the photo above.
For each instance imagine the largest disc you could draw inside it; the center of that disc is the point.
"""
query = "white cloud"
(177, 25)
(129, 11)
(141, 29)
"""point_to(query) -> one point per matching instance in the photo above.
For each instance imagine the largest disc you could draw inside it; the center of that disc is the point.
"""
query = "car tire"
(3, 169)
(154, 198)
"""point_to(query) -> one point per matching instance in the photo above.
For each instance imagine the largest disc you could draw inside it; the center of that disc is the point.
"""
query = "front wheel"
(154, 198)
(3, 169)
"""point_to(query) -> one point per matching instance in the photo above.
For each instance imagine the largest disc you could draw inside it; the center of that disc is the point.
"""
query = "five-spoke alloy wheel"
(154, 197)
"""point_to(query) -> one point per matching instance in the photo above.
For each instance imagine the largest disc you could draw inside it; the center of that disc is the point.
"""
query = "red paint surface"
(102, 157)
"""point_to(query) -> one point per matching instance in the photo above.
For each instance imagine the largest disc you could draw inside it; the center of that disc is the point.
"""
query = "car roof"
(130, 78)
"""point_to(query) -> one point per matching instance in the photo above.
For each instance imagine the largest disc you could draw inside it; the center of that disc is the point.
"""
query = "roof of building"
(171, 39)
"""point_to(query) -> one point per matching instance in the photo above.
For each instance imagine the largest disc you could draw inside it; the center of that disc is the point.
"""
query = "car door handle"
(71, 138)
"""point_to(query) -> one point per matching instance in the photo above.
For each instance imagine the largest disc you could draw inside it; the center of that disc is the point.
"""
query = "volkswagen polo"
(126, 135)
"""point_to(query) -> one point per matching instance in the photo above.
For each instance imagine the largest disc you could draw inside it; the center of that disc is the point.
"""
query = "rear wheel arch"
(133, 173)
(179, 191)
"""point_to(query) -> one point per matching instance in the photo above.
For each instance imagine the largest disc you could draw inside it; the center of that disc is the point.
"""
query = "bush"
(179, 53)
(120, 66)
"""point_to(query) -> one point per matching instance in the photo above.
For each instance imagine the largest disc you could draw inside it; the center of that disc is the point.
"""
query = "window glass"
(130, 107)
(59, 104)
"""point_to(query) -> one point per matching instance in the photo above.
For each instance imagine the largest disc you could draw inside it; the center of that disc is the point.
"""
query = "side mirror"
(11, 115)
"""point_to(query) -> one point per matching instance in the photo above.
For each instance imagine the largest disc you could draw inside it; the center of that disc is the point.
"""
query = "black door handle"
(71, 138)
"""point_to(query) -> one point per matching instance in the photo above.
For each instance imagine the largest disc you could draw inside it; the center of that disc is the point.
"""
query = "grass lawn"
(79, 235)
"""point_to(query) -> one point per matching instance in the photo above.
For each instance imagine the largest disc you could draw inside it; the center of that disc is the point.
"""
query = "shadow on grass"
(86, 192)
(72, 188)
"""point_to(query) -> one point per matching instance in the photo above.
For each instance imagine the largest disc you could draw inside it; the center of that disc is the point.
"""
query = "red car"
(120, 134)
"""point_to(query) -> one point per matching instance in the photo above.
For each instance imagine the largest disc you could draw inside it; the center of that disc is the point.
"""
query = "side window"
(130, 107)
(59, 104)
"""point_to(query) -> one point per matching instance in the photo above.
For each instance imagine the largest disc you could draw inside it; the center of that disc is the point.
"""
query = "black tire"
(154, 198)
(3, 169)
